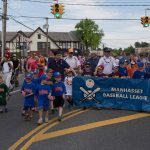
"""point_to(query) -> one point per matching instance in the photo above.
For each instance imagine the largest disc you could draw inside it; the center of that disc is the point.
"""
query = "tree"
(89, 33)
(129, 50)
(137, 44)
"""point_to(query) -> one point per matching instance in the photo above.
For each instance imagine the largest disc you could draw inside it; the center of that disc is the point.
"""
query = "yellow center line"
(22, 139)
(33, 139)
(89, 126)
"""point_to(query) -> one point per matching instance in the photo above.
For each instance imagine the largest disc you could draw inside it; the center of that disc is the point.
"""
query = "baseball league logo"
(89, 94)
(90, 83)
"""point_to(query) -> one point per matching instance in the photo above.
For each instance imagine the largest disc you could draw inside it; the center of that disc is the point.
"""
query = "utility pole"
(46, 26)
(4, 19)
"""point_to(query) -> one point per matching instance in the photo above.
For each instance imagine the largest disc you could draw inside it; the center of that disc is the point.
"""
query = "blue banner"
(131, 94)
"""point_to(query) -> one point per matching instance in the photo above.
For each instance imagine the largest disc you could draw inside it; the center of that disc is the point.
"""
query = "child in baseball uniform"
(43, 94)
(28, 90)
(58, 91)
(3, 93)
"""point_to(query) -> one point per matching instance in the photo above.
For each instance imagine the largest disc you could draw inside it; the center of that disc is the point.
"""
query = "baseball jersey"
(138, 75)
(123, 71)
(58, 89)
(28, 88)
(42, 92)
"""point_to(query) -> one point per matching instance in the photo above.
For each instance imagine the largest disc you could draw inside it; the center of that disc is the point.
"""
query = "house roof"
(64, 36)
(55, 36)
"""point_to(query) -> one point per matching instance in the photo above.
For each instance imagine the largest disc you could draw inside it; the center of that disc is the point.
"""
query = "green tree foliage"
(141, 45)
(129, 50)
(89, 33)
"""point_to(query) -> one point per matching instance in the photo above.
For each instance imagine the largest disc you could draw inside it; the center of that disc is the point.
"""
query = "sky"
(118, 34)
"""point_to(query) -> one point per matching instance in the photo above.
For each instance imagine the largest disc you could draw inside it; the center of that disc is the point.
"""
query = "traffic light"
(146, 21)
(57, 14)
(61, 9)
(142, 20)
(57, 10)
(53, 9)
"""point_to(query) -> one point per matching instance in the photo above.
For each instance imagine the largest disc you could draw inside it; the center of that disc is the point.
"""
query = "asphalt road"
(80, 130)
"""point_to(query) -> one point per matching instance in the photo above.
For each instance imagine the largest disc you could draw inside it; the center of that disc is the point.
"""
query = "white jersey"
(72, 61)
(68, 84)
(108, 63)
(6, 68)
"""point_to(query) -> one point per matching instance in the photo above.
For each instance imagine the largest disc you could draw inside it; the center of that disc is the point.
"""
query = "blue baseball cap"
(140, 64)
(56, 74)
(43, 77)
(35, 72)
(28, 75)
(121, 61)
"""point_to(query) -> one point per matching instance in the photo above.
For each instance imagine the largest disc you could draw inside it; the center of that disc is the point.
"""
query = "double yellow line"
(42, 129)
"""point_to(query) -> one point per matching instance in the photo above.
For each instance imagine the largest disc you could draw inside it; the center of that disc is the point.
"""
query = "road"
(88, 129)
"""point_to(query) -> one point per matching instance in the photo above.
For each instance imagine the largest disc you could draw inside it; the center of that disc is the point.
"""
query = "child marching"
(58, 91)
(3, 93)
(43, 95)
(28, 90)
(68, 84)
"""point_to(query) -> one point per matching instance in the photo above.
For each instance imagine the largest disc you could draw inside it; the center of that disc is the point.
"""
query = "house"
(142, 50)
(23, 42)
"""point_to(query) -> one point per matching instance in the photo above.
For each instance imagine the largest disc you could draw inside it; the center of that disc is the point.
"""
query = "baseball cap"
(140, 64)
(87, 63)
(43, 77)
(35, 72)
(106, 49)
(121, 61)
(28, 76)
(56, 74)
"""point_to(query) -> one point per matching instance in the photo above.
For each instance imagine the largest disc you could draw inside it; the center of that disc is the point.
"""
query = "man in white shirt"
(73, 61)
(107, 61)
(7, 67)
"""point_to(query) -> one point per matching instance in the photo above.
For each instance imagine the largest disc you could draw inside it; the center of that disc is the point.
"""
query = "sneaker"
(46, 120)
(23, 113)
(59, 118)
(40, 121)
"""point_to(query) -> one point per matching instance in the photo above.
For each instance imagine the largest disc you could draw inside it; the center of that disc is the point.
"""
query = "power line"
(103, 5)
(108, 19)
(103, 39)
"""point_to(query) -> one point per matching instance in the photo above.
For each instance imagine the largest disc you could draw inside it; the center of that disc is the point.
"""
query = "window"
(64, 45)
(42, 45)
(68, 45)
(39, 36)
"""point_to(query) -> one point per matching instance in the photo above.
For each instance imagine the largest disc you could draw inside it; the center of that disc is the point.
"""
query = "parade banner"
(130, 94)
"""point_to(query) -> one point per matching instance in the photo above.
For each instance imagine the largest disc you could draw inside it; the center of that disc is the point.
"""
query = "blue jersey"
(138, 75)
(58, 89)
(36, 82)
(123, 71)
(42, 92)
(28, 88)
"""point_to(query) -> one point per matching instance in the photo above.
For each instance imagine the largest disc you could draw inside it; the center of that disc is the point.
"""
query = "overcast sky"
(117, 33)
